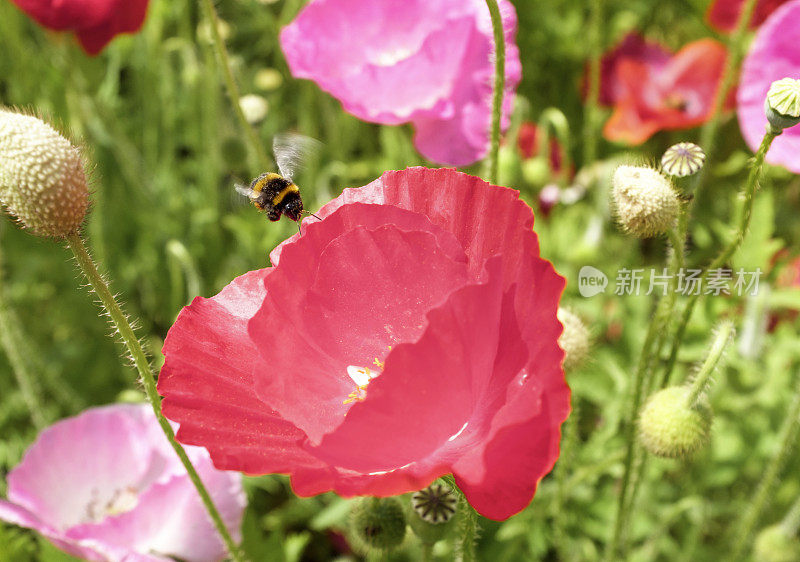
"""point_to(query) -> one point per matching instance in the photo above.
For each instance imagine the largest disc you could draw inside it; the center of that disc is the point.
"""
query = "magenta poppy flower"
(724, 14)
(428, 62)
(632, 47)
(106, 486)
(774, 54)
(678, 95)
(410, 333)
(94, 22)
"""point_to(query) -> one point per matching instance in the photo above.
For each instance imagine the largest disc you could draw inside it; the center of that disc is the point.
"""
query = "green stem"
(751, 186)
(499, 86)
(698, 385)
(133, 346)
(735, 53)
(787, 439)
(467, 525)
(791, 522)
(25, 380)
(256, 146)
(592, 106)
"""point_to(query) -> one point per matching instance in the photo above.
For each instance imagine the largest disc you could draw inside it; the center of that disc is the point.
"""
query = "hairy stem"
(751, 186)
(743, 530)
(698, 385)
(133, 346)
(499, 86)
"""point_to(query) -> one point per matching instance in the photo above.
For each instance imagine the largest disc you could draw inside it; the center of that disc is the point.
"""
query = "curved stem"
(698, 385)
(751, 186)
(256, 146)
(131, 342)
(467, 524)
(788, 436)
(499, 86)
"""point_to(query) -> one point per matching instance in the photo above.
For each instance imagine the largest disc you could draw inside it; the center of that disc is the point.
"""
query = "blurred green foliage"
(166, 224)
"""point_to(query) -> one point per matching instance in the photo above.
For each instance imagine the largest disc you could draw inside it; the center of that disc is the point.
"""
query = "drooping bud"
(774, 544)
(670, 426)
(683, 159)
(645, 202)
(42, 181)
(574, 339)
(377, 524)
(782, 105)
(432, 511)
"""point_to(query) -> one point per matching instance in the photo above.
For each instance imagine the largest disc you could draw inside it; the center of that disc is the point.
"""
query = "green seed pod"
(431, 512)
(782, 105)
(670, 427)
(574, 339)
(377, 524)
(774, 544)
(645, 202)
(42, 181)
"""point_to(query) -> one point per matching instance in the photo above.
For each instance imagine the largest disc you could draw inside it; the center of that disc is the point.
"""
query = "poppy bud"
(669, 426)
(432, 512)
(645, 202)
(377, 523)
(574, 339)
(782, 105)
(42, 181)
(254, 108)
(774, 544)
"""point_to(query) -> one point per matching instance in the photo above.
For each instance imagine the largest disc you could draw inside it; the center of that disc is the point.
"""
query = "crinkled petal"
(208, 388)
(342, 301)
(773, 55)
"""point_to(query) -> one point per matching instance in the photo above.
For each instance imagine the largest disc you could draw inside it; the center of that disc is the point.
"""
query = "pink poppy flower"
(724, 14)
(632, 47)
(677, 95)
(106, 486)
(95, 22)
(410, 333)
(774, 54)
(428, 62)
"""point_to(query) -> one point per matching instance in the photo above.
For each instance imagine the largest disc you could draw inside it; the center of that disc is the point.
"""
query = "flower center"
(362, 377)
(121, 501)
(392, 55)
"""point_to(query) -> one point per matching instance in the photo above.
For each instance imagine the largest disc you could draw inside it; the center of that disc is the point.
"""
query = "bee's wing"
(245, 190)
(291, 150)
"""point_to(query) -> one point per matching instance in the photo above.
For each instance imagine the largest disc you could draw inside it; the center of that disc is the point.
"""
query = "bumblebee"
(275, 193)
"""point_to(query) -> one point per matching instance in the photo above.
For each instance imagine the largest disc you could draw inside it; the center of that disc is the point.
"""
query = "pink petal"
(774, 54)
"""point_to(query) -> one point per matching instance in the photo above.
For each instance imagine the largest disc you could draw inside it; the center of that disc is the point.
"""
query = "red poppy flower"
(409, 334)
(724, 14)
(95, 22)
(679, 95)
(632, 47)
(528, 145)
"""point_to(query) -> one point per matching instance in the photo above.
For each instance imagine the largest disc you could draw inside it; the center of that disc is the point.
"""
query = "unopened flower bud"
(42, 181)
(254, 108)
(669, 426)
(574, 339)
(782, 105)
(774, 544)
(683, 159)
(432, 512)
(645, 202)
(377, 523)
